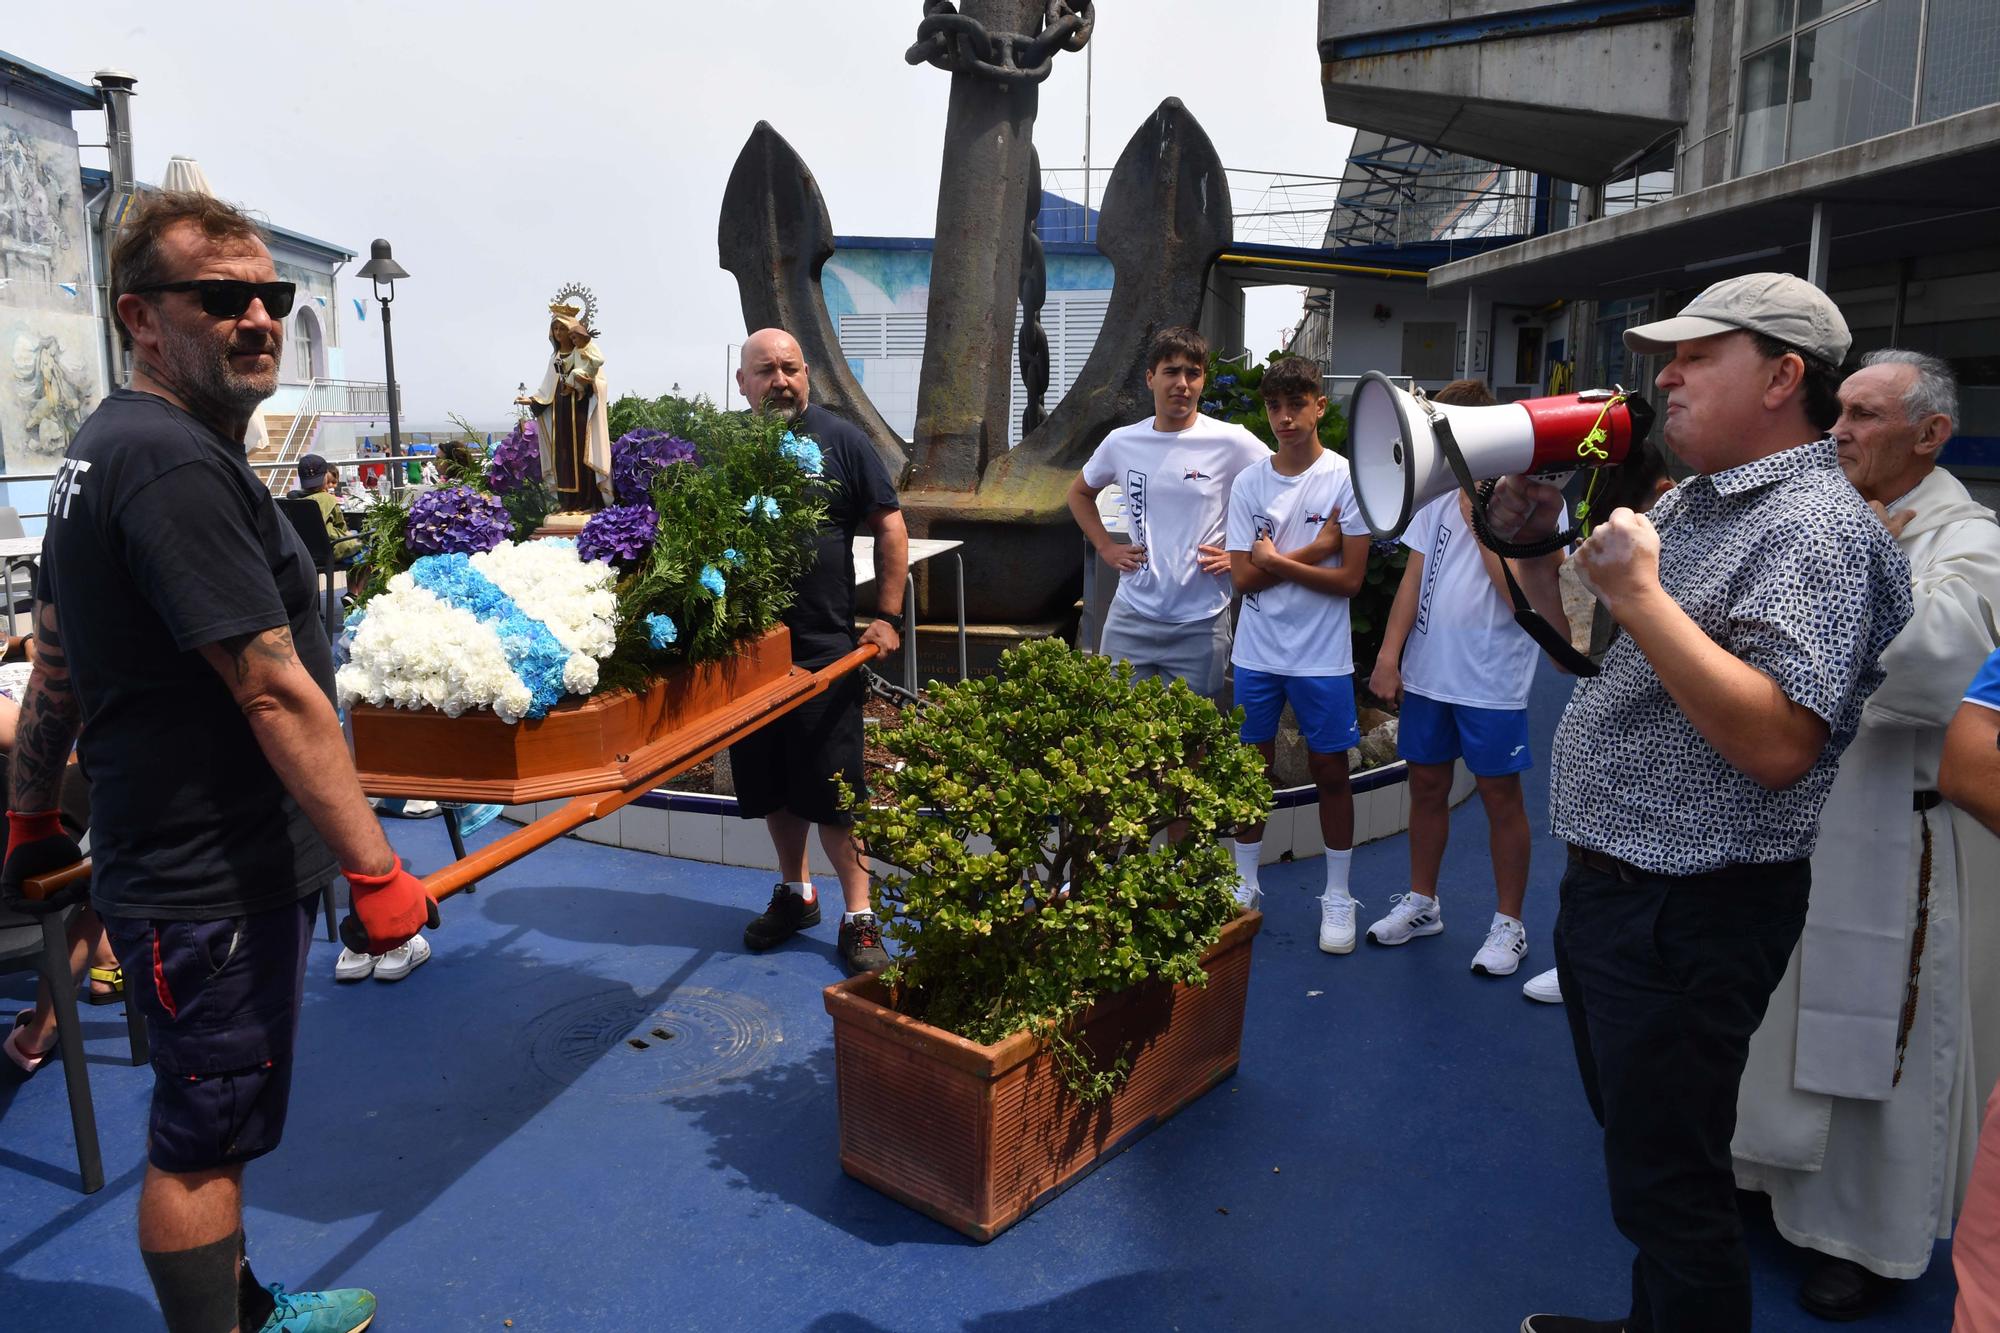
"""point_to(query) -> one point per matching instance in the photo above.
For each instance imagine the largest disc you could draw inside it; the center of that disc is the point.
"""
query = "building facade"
(1853, 142)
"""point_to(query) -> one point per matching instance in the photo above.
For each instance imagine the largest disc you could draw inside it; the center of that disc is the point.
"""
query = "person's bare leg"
(1255, 832)
(1430, 824)
(1336, 799)
(1509, 838)
(86, 937)
(788, 839)
(845, 853)
(179, 1211)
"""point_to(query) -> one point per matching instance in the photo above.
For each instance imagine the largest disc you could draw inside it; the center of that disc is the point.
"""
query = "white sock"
(802, 888)
(1336, 872)
(847, 918)
(1247, 854)
(1498, 917)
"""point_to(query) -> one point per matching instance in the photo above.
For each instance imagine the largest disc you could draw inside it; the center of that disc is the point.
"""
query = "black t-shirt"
(856, 485)
(162, 540)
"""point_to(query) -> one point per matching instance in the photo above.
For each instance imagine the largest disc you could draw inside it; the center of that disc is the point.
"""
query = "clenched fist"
(1621, 561)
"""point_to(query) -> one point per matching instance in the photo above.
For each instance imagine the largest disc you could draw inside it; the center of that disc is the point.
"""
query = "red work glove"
(386, 910)
(36, 845)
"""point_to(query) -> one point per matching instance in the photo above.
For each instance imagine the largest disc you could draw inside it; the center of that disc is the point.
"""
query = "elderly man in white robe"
(1859, 1109)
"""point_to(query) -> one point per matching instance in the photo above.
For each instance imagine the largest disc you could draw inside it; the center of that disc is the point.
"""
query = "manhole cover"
(619, 1047)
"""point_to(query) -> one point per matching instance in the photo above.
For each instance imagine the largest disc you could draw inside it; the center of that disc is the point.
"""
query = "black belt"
(1925, 800)
(1605, 864)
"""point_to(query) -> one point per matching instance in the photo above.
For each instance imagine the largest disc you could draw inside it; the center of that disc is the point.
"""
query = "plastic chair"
(306, 519)
(40, 943)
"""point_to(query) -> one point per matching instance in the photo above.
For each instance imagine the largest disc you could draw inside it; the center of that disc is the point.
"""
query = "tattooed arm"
(300, 736)
(50, 718)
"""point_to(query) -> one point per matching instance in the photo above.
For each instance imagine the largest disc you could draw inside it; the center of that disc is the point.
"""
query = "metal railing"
(397, 465)
(328, 398)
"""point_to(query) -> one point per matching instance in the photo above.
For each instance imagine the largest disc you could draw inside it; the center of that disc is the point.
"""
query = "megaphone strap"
(1545, 635)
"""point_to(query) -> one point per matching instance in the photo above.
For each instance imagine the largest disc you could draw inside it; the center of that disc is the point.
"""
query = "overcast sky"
(508, 148)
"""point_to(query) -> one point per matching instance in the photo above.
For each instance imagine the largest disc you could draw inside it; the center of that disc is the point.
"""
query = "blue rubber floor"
(1405, 1147)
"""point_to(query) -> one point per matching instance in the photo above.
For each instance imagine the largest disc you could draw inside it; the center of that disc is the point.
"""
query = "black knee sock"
(254, 1305)
(197, 1288)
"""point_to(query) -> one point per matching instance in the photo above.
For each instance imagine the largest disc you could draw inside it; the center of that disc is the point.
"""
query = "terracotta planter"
(597, 744)
(979, 1136)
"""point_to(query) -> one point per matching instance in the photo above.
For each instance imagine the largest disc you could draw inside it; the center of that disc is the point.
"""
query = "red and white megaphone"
(1400, 463)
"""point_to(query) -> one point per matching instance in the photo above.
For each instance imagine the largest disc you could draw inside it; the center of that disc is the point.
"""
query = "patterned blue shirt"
(1781, 562)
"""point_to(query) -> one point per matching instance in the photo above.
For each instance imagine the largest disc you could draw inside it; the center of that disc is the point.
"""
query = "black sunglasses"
(226, 298)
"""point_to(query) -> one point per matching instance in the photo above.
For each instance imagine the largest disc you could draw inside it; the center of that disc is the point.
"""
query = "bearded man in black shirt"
(785, 772)
(178, 629)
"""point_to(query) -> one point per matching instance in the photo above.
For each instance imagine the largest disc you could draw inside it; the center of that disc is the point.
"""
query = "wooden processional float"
(603, 752)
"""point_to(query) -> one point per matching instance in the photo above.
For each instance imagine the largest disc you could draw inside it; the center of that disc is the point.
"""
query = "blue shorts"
(1494, 741)
(1324, 706)
(221, 1001)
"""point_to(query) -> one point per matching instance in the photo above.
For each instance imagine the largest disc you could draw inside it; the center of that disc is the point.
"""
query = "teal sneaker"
(472, 818)
(348, 1310)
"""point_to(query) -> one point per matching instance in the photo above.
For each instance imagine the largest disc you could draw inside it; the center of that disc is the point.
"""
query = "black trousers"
(1665, 979)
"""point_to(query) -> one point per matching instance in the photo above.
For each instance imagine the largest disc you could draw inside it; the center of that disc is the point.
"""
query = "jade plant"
(1031, 875)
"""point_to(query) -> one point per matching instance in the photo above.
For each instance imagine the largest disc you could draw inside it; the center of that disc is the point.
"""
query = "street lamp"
(383, 270)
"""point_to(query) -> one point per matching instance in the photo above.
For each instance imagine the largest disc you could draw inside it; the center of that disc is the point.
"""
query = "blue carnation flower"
(532, 649)
(763, 504)
(804, 452)
(711, 579)
(732, 556)
(661, 630)
(1224, 381)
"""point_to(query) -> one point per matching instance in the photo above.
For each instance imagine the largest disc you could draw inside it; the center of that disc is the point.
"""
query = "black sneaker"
(861, 944)
(1569, 1323)
(787, 915)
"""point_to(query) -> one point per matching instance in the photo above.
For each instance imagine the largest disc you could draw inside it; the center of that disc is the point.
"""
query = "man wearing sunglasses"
(178, 630)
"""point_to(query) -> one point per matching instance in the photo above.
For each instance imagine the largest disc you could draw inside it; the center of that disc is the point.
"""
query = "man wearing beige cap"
(1687, 778)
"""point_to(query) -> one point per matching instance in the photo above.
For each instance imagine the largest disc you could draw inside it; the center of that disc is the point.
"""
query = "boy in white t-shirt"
(1463, 667)
(1298, 549)
(1170, 616)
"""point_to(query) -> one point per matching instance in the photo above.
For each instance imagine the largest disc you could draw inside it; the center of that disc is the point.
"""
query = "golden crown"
(565, 309)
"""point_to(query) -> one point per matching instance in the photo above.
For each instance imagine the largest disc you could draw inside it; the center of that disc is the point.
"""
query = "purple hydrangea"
(637, 455)
(516, 460)
(620, 535)
(457, 520)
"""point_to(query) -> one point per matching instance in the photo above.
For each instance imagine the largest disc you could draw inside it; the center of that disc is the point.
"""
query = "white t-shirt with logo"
(1176, 486)
(1290, 630)
(1465, 647)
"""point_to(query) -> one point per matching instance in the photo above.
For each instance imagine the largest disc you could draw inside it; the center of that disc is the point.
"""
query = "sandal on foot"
(111, 977)
(23, 1059)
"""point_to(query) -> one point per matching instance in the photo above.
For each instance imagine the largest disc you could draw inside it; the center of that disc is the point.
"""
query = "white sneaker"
(1247, 898)
(1411, 915)
(352, 966)
(404, 959)
(1336, 924)
(1543, 987)
(1506, 945)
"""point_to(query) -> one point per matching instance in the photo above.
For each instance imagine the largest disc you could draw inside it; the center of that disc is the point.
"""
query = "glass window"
(1765, 19)
(1856, 77)
(1961, 57)
(1760, 122)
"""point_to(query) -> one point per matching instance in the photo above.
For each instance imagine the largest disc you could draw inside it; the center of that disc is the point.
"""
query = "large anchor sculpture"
(1164, 218)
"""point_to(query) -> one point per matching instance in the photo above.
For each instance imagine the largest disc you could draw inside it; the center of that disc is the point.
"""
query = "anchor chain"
(952, 41)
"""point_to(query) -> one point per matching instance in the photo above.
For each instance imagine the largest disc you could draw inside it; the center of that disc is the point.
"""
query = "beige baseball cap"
(1776, 305)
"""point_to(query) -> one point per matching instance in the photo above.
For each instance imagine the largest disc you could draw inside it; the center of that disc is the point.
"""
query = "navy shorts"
(790, 764)
(1494, 741)
(222, 1001)
(1324, 706)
